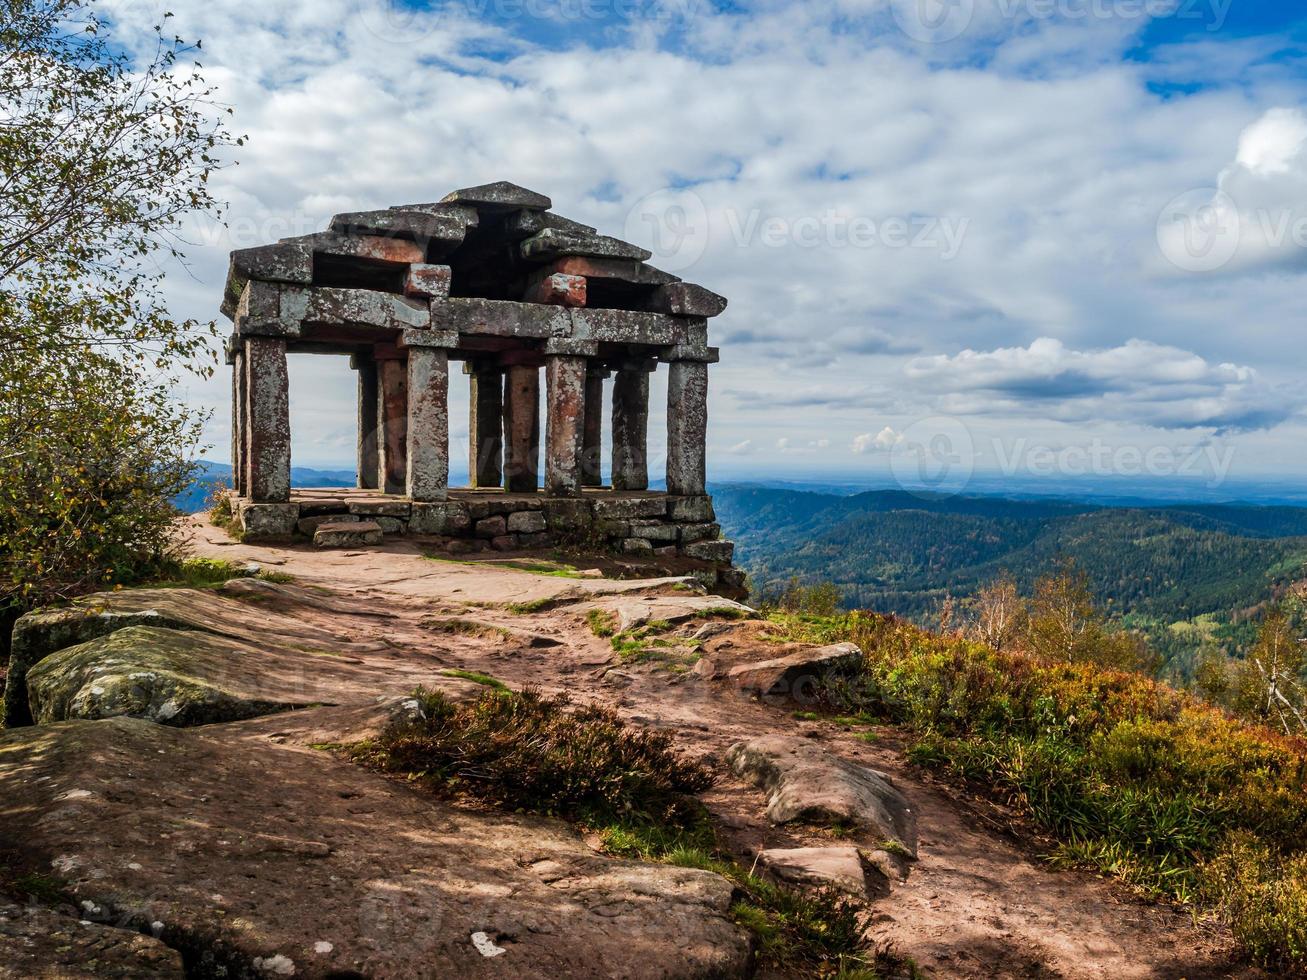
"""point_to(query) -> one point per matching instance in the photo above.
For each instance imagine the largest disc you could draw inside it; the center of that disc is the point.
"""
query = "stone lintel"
(686, 299)
(333, 306)
(288, 262)
(572, 348)
(501, 318)
(686, 352)
(630, 327)
(459, 212)
(553, 243)
(556, 289)
(428, 281)
(413, 225)
(500, 195)
(388, 352)
(428, 338)
(626, 270)
(376, 248)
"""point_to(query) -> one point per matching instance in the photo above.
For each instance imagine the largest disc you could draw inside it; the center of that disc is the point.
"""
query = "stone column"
(522, 428)
(369, 463)
(239, 404)
(565, 399)
(631, 426)
(428, 424)
(593, 434)
(267, 438)
(687, 427)
(392, 422)
(486, 426)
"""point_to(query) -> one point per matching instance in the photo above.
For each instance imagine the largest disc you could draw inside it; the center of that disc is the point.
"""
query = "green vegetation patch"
(476, 677)
(1137, 779)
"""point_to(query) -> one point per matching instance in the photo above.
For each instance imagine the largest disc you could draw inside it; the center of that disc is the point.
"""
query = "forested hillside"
(1188, 576)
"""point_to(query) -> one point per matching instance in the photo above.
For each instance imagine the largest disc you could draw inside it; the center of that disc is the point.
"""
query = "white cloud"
(1035, 132)
(1140, 381)
(883, 441)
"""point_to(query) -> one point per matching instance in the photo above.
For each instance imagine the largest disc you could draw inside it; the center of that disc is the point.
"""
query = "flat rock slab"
(839, 867)
(348, 534)
(634, 611)
(797, 673)
(245, 850)
(174, 677)
(43, 944)
(275, 644)
(807, 783)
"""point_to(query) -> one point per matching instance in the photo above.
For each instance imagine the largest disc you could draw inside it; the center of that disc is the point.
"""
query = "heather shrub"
(1133, 777)
(535, 753)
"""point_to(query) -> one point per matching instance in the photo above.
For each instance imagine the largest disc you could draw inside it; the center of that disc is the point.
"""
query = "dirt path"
(976, 904)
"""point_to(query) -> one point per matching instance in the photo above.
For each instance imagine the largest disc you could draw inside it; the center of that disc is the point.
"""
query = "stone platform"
(632, 523)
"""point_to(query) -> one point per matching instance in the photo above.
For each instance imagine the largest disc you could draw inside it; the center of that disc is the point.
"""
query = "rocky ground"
(229, 841)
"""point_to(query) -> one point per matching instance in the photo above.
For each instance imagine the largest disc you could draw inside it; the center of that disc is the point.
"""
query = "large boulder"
(256, 855)
(174, 677)
(806, 783)
(793, 675)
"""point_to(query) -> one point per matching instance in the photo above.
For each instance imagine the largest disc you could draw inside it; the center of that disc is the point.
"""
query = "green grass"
(602, 624)
(208, 573)
(467, 627)
(533, 606)
(476, 677)
(1132, 777)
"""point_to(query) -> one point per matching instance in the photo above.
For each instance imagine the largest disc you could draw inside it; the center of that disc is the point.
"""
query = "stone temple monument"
(488, 276)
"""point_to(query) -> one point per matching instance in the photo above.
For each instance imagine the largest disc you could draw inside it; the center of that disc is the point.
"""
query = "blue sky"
(1069, 236)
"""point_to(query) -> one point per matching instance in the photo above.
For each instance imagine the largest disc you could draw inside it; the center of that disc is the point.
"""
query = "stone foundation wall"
(654, 526)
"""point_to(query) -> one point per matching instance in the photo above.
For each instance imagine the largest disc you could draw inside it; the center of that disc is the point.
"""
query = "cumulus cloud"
(1035, 140)
(883, 441)
(1140, 382)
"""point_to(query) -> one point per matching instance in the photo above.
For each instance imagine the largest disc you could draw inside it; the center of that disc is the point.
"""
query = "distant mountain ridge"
(214, 476)
(1182, 573)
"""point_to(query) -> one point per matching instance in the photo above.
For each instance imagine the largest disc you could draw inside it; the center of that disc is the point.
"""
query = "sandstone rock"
(243, 848)
(537, 541)
(173, 677)
(634, 611)
(308, 526)
(444, 518)
(806, 782)
(637, 546)
(690, 533)
(526, 522)
(819, 867)
(491, 527)
(692, 510)
(264, 521)
(630, 508)
(655, 531)
(568, 515)
(505, 542)
(42, 944)
(401, 509)
(719, 551)
(789, 675)
(390, 525)
(360, 534)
